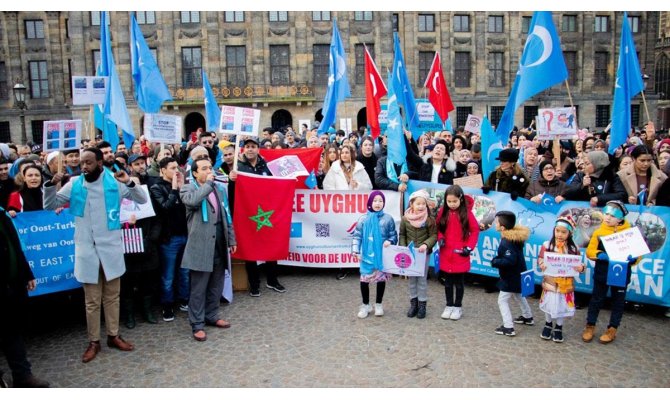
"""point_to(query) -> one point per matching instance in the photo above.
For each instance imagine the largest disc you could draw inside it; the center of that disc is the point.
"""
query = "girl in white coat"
(346, 173)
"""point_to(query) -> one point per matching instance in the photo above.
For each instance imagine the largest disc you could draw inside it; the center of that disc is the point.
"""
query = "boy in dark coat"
(511, 262)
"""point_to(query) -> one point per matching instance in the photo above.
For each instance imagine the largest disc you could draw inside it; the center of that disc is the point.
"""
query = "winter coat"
(383, 182)
(510, 260)
(169, 209)
(427, 234)
(446, 175)
(555, 187)
(629, 181)
(596, 246)
(12, 285)
(606, 187)
(336, 180)
(517, 183)
(450, 261)
(386, 226)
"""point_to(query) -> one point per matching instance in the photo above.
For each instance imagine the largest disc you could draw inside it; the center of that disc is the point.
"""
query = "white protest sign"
(61, 135)
(556, 123)
(625, 243)
(161, 128)
(345, 124)
(302, 122)
(89, 89)
(473, 181)
(399, 260)
(473, 124)
(560, 265)
(239, 120)
(129, 207)
(287, 167)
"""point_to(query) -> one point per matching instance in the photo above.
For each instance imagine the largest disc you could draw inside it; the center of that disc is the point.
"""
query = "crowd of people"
(191, 188)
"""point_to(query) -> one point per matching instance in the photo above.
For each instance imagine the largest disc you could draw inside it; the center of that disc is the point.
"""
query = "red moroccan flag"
(438, 95)
(310, 158)
(262, 218)
(374, 91)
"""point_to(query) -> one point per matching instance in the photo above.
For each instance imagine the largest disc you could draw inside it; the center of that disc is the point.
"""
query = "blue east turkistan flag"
(527, 283)
(115, 112)
(212, 109)
(338, 82)
(628, 84)
(150, 88)
(541, 66)
(395, 141)
(436, 259)
(616, 273)
(448, 126)
(310, 182)
(491, 147)
(549, 203)
(403, 88)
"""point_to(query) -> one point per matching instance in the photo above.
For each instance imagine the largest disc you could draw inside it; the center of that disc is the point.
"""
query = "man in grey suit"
(210, 236)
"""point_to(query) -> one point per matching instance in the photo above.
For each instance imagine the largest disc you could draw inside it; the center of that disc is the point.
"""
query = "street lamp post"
(20, 102)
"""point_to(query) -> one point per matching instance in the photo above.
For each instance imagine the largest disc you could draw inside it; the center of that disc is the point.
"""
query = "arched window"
(662, 77)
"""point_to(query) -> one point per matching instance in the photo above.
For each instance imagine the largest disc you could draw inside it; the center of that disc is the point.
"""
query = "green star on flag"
(262, 218)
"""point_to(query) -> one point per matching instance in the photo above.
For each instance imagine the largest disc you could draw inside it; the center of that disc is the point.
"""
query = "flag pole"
(644, 101)
(91, 125)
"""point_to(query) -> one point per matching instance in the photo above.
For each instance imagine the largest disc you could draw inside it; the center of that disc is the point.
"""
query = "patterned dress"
(558, 293)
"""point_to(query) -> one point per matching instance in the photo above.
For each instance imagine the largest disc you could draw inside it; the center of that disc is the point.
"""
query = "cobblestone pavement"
(310, 337)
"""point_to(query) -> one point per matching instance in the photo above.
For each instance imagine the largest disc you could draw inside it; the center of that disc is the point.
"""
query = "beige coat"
(629, 181)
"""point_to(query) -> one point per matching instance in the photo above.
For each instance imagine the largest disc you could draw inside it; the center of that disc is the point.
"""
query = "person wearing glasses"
(548, 182)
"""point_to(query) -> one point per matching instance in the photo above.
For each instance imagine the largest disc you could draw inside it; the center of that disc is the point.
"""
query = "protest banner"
(473, 124)
(473, 181)
(288, 166)
(400, 260)
(48, 243)
(129, 207)
(239, 120)
(429, 120)
(161, 128)
(561, 265)
(626, 243)
(61, 135)
(556, 123)
(88, 90)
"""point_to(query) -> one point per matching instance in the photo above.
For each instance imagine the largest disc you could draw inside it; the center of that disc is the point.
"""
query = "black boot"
(422, 310)
(412, 307)
(146, 310)
(129, 310)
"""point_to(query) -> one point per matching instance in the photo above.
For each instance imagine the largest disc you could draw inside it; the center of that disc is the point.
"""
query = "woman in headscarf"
(548, 182)
(597, 184)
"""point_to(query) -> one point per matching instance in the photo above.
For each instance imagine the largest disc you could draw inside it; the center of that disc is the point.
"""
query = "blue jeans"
(171, 254)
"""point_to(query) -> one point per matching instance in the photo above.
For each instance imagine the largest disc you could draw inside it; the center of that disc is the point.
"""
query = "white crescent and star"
(341, 68)
(547, 45)
(437, 75)
(374, 85)
(617, 267)
(113, 214)
(527, 278)
(493, 147)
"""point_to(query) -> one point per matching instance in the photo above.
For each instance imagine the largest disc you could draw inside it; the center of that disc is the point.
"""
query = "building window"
(279, 65)
(236, 65)
(634, 24)
(600, 74)
(321, 55)
(191, 65)
(602, 115)
(496, 23)
(5, 133)
(359, 52)
(39, 81)
(496, 114)
(395, 21)
(96, 60)
(95, 18)
(662, 77)
(426, 22)
(278, 16)
(146, 17)
(425, 62)
(525, 24)
(37, 128)
(320, 15)
(569, 23)
(190, 17)
(635, 115)
(461, 23)
(571, 65)
(363, 16)
(4, 92)
(529, 114)
(496, 69)
(462, 115)
(602, 23)
(34, 29)
(233, 16)
(462, 69)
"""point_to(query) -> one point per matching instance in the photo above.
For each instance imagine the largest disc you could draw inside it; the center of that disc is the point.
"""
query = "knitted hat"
(51, 156)
(543, 164)
(419, 193)
(662, 142)
(374, 194)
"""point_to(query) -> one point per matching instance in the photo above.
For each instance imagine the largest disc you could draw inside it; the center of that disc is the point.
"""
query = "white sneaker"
(446, 314)
(364, 310)
(456, 314)
(379, 311)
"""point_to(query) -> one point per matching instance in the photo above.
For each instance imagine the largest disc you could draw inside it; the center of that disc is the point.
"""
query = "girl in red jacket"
(457, 234)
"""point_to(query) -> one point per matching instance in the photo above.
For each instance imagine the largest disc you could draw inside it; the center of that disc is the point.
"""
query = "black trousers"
(10, 336)
(254, 273)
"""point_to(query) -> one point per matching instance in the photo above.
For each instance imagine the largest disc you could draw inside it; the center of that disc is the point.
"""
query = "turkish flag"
(262, 217)
(310, 158)
(438, 95)
(374, 91)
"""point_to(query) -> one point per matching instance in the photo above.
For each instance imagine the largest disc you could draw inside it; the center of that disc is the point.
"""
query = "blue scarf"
(224, 203)
(79, 194)
(371, 243)
(390, 170)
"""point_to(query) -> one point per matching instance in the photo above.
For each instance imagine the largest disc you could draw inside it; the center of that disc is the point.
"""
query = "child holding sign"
(374, 230)
(419, 228)
(558, 289)
(614, 221)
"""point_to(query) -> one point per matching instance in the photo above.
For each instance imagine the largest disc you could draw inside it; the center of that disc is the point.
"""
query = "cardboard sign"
(239, 120)
(61, 135)
(89, 89)
(129, 207)
(561, 265)
(161, 128)
(626, 243)
(556, 123)
(473, 181)
(473, 124)
(287, 167)
(400, 260)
